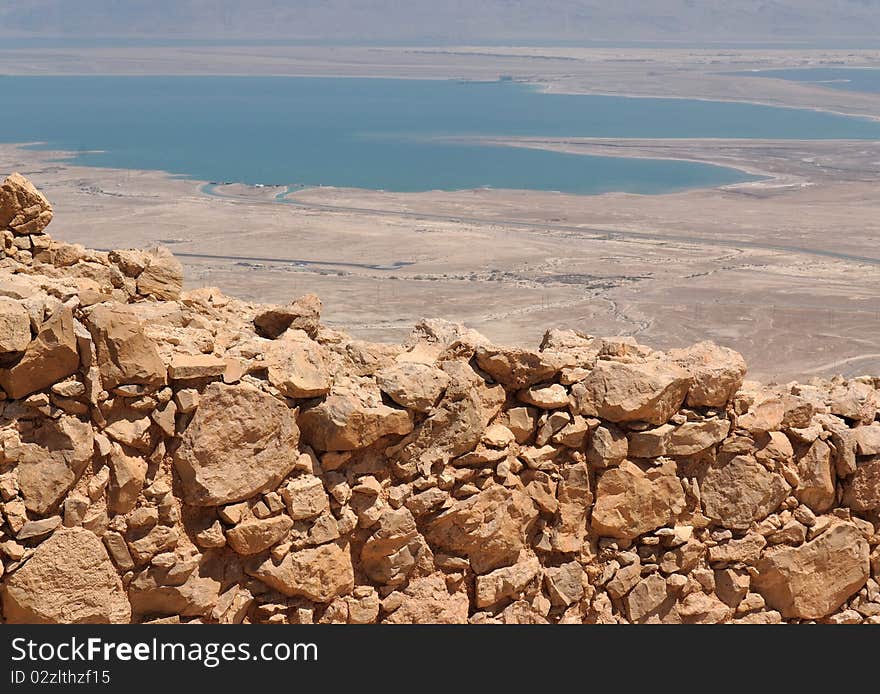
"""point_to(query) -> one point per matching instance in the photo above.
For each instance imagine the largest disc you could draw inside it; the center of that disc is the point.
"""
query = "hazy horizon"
(459, 21)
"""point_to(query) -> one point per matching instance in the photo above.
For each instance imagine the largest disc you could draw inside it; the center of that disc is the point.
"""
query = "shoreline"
(726, 265)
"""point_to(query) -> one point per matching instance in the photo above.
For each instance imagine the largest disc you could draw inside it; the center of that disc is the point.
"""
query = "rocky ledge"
(183, 456)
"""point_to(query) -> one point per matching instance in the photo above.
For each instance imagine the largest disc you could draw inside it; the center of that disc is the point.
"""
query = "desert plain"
(785, 269)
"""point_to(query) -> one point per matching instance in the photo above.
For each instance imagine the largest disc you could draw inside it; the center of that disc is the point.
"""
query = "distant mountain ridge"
(449, 21)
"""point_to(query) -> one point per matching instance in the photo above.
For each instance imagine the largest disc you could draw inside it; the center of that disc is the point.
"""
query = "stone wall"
(182, 456)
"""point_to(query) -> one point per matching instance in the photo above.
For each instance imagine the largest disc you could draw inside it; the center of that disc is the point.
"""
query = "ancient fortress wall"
(170, 455)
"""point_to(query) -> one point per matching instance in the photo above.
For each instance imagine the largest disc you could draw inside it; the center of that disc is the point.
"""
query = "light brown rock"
(630, 502)
(621, 392)
(816, 472)
(127, 475)
(813, 580)
(516, 368)
(505, 583)
(413, 385)
(15, 329)
(428, 601)
(317, 573)
(303, 314)
(52, 460)
(305, 497)
(298, 369)
(254, 535)
(862, 490)
(23, 209)
(342, 422)
(490, 528)
(125, 354)
(69, 580)
(50, 357)
(717, 373)
(189, 366)
(239, 443)
(737, 491)
(162, 278)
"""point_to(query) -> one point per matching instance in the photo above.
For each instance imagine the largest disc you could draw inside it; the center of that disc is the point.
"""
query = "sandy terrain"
(747, 266)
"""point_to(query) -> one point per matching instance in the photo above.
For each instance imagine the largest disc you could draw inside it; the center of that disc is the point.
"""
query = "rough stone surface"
(813, 580)
(152, 468)
(241, 441)
(69, 580)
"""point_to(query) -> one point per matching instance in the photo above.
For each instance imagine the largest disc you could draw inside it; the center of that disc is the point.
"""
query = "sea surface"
(848, 79)
(383, 134)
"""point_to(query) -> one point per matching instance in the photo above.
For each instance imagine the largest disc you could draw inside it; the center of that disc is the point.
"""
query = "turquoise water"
(380, 134)
(848, 79)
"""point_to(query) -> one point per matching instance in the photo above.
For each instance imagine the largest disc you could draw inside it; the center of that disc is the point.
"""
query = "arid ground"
(786, 270)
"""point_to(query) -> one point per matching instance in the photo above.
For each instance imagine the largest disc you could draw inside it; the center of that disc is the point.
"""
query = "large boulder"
(23, 209)
(162, 278)
(813, 580)
(517, 368)
(738, 490)
(125, 354)
(52, 459)
(717, 373)
(344, 422)
(69, 580)
(303, 314)
(50, 357)
(297, 368)
(630, 502)
(651, 391)
(240, 442)
(413, 385)
(490, 527)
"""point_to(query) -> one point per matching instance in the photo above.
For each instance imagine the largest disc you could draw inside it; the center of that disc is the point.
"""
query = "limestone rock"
(23, 209)
(305, 497)
(490, 527)
(516, 368)
(389, 554)
(738, 491)
(630, 502)
(240, 442)
(717, 373)
(254, 535)
(303, 314)
(298, 369)
(317, 573)
(127, 475)
(125, 354)
(162, 278)
(342, 422)
(69, 580)
(151, 593)
(813, 580)
(413, 385)
(52, 460)
(505, 583)
(15, 329)
(862, 490)
(192, 366)
(620, 392)
(50, 357)
(816, 472)
(428, 601)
